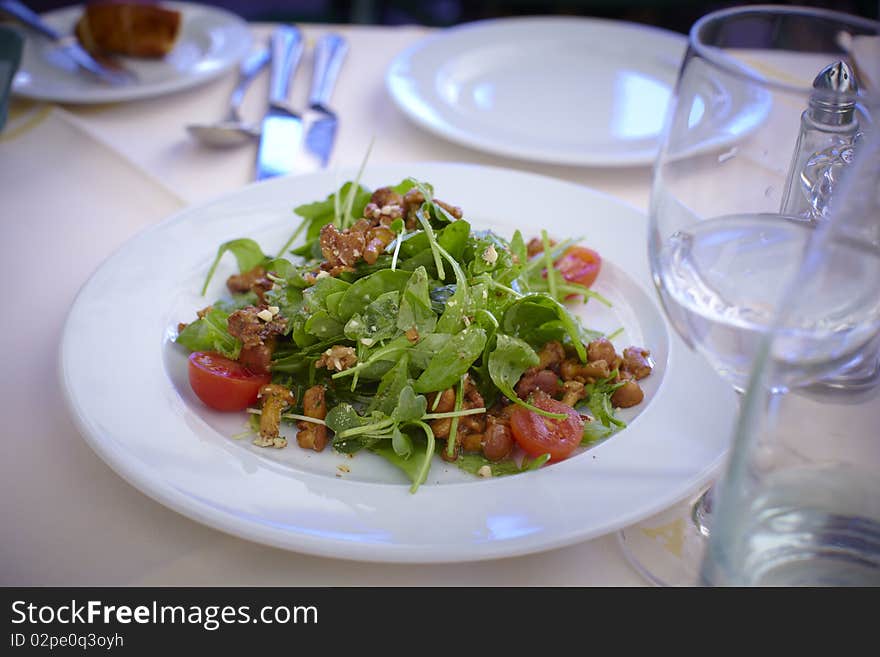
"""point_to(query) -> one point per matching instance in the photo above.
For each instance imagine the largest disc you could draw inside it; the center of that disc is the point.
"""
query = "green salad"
(395, 328)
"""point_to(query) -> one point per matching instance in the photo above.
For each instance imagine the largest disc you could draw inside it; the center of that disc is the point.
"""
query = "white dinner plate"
(125, 383)
(576, 91)
(211, 41)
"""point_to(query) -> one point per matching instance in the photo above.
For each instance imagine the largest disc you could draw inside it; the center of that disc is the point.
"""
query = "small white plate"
(576, 91)
(211, 41)
(126, 386)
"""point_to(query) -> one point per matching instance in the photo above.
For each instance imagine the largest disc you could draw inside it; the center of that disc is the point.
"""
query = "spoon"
(232, 130)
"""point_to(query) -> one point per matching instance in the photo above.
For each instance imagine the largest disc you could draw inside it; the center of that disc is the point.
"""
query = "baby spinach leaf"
(343, 417)
(388, 393)
(365, 290)
(453, 360)
(332, 301)
(454, 238)
(486, 252)
(377, 322)
(525, 317)
(425, 349)
(210, 334)
(416, 463)
(317, 294)
(323, 326)
(415, 305)
(507, 362)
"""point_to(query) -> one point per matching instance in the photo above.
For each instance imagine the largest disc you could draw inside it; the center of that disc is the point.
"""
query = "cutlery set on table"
(288, 140)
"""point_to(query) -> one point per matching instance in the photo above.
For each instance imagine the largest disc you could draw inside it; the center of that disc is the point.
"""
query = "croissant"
(128, 28)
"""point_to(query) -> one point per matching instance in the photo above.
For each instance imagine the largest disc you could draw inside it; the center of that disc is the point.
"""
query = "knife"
(330, 52)
(67, 45)
(281, 133)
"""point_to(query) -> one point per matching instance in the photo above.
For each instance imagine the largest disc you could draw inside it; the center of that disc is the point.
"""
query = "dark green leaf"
(453, 360)
(415, 305)
(387, 395)
(210, 334)
(401, 443)
(410, 406)
(366, 290)
(247, 253)
(376, 322)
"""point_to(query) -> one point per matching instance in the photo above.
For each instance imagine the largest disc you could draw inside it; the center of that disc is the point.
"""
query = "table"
(75, 183)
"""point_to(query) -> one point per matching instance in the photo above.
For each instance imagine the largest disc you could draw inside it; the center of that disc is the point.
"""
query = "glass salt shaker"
(829, 132)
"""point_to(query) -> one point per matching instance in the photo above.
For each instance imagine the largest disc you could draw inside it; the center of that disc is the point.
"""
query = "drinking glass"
(799, 504)
(770, 105)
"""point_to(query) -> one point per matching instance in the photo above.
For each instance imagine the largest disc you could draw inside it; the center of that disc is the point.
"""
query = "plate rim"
(138, 474)
(141, 92)
(464, 137)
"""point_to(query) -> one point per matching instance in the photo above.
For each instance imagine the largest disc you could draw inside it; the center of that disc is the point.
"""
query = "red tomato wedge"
(580, 265)
(224, 384)
(538, 434)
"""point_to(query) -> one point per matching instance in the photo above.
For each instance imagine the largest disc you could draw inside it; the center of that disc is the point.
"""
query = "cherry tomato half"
(224, 384)
(580, 265)
(538, 434)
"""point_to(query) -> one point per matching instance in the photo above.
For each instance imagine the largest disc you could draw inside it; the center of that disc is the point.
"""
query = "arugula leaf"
(453, 360)
(596, 431)
(519, 249)
(599, 402)
(247, 253)
(210, 334)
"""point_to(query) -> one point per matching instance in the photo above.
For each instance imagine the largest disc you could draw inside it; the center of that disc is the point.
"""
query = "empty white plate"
(561, 90)
(556, 89)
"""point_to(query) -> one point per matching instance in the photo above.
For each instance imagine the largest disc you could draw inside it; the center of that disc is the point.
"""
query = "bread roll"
(128, 28)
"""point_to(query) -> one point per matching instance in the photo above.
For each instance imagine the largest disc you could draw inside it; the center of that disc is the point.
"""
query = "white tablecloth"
(76, 182)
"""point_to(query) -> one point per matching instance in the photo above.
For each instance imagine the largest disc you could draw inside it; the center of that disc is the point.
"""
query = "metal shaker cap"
(825, 106)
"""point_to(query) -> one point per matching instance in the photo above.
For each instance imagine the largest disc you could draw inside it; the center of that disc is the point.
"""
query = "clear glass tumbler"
(770, 107)
(800, 502)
